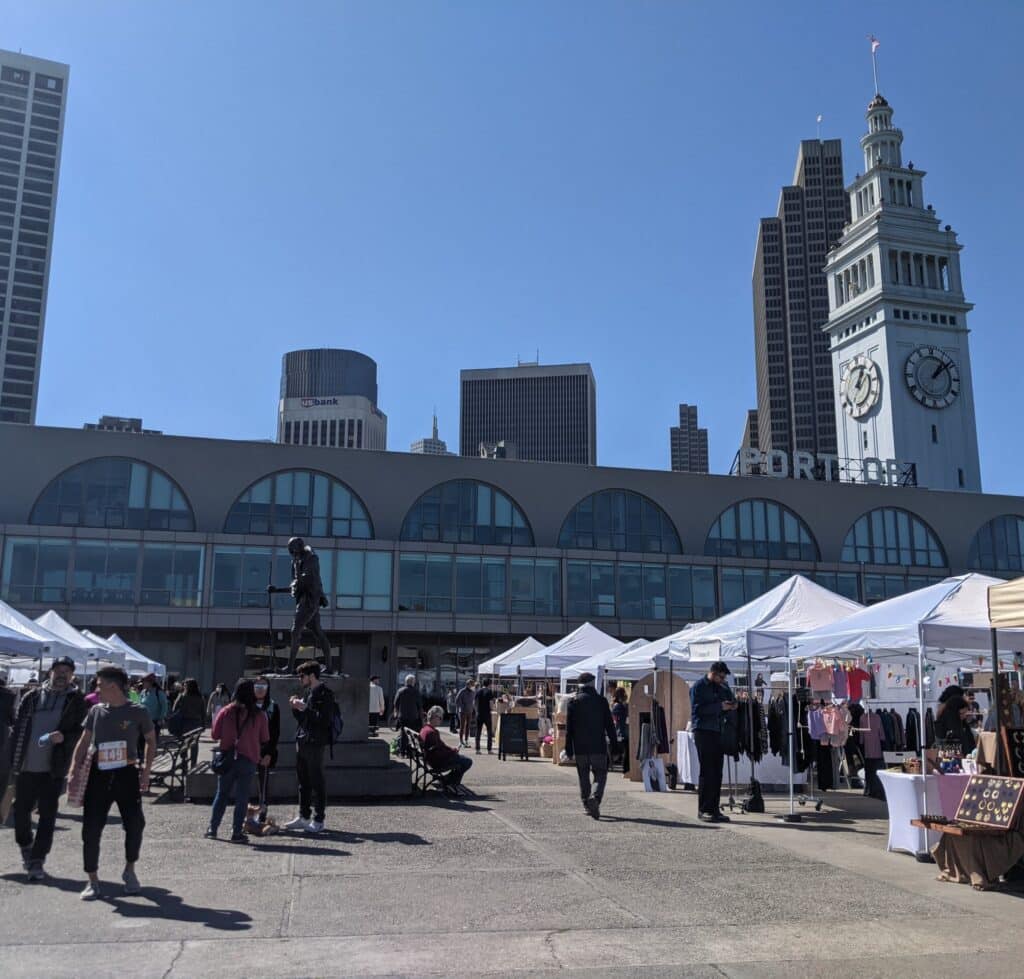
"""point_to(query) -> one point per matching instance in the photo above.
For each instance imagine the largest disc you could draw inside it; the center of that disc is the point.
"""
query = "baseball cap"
(63, 661)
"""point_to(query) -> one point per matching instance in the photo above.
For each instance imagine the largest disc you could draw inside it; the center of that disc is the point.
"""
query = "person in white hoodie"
(376, 703)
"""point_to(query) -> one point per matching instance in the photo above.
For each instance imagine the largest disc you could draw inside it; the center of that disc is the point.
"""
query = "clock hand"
(938, 370)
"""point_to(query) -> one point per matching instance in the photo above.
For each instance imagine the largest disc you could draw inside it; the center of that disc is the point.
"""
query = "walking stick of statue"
(270, 617)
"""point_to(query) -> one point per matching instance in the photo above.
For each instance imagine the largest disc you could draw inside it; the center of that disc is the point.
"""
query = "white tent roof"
(88, 649)
(111, 653)
(135, 663)
(517, 652)
(13, 620)
(579, 644)
(634, 664)
(17, 643)
(893, 629)
(592, 664)
(961, 621)
(763, 626)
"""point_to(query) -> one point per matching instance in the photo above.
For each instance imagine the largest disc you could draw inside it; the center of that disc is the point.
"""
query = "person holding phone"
(710, 699)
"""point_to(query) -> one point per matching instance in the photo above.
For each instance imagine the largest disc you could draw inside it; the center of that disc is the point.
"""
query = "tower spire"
(435, 424)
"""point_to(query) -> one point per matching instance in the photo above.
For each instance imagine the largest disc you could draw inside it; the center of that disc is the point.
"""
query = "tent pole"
(920, 704)
(792, 816)
(996, 706)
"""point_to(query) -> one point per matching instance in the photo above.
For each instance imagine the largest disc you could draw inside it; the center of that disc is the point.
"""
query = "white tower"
(898, 325)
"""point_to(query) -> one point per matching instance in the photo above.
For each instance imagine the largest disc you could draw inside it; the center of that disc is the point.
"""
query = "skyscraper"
(749, 440)
(32, 99)
(688, 443)
(795, 399)
(898, 328)
(329, 398)
(432, 446)
(549, 412)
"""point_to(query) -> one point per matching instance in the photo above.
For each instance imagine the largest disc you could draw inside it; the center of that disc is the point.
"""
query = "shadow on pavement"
(406, 839)
(301, 849)
(163, 904)
(670, 823)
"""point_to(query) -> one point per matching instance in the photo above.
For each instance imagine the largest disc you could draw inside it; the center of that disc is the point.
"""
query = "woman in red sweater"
(241, 728)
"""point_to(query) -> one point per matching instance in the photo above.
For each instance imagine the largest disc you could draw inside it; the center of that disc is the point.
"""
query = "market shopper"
(588, 732)
(189, 713)
(951, 719)
(710, 697)
(114, 726)
(268, 749)
(453, 710)
(438, 755)
(408, 709)
(152, 697)
(376, 704)
(313, 711)
(484, 698)
(620, 718)
(241, 729)
(48, 722)
(219, 699)
(465, 703)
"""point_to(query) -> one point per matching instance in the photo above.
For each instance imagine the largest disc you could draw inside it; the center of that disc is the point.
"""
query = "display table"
(768, 771)
(903, 796)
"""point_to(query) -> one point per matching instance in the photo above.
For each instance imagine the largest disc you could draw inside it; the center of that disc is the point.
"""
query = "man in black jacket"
(53, 713)
(588, 730)
(313, 712)
(484, 698)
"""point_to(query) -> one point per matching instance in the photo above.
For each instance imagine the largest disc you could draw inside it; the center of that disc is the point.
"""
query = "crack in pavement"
(174, 960)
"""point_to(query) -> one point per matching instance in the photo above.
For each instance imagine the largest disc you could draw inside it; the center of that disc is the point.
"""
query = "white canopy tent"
(519, 651)
(549, 662)
(135, 663)
(595, 664)
(48, 646)
(90, 651)
(761, 629)
(14, 643)
(635, 664)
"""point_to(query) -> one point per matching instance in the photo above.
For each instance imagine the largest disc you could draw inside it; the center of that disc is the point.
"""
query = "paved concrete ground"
(518, 881)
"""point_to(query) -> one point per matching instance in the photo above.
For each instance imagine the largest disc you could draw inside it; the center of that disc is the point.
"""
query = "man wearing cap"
(588, 731)
(710, 697)
(307, 588)
(45, 731)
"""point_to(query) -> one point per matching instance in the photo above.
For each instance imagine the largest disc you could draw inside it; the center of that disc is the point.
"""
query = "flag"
(874, 43)
(820, 118)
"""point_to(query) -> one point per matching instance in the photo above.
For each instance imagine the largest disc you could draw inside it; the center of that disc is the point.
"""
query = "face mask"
(260, 688)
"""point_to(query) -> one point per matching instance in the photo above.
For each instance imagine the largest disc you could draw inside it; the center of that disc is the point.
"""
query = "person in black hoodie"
(313, 712)
(588, 730)
(268, 750)
(484, 697)
(48, 724)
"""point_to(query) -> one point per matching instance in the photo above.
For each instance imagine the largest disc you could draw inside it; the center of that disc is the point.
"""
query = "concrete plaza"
(516, 881)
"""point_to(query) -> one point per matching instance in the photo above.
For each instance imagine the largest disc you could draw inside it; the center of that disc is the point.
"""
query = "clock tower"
(897, 325)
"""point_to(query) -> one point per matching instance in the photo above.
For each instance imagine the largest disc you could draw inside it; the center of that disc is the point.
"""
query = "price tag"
(111, 754)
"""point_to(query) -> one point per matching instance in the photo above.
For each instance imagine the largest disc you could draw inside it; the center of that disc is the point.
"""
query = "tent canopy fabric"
(961, 620)
(88, 649)
(1006, 604)
(13, 642)
(634, 664)
(895, 629)
(763, 626)
(42, 637)
(592, 663)
(135, 663)
(517, 652)
(579, 644)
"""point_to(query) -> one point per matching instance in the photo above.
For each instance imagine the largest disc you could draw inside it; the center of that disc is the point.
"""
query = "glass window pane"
(159, 492)
(137, 486)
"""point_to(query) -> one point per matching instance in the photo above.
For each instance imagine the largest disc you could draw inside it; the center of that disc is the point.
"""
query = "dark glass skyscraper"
(32, 98)
(795, 393)
(688, 443)
(549, 412)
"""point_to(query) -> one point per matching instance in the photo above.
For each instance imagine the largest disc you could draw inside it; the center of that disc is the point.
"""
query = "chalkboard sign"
(1013, 742)
(512, 736)
(992, 801)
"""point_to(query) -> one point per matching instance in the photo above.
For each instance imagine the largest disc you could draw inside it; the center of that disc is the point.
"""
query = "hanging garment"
(897, 721)
(660, 727)
(855, 681)
(912, 730)
(836, 720)
(839, 685)
(929, 728)
(777, 727)
(816, 725)
(645, 743)
(819, 679)
(889, 729)
(871, 738)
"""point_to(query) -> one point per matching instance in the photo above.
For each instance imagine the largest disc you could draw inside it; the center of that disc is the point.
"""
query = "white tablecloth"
(903, 795)
(769, 770)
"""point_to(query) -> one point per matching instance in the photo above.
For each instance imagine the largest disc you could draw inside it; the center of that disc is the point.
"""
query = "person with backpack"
(319, 725)
(241, 729)
(154, 700)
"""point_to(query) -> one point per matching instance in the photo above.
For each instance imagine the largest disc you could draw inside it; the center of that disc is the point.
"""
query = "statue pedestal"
(361, 768)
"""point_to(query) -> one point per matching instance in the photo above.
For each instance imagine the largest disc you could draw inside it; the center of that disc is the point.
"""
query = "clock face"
(860, 386)
(933, 377)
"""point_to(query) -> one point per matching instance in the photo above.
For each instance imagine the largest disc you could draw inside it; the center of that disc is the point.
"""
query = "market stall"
(136, 664)
(94, 654)
(596, 664)
(519, 651)
(580, 644)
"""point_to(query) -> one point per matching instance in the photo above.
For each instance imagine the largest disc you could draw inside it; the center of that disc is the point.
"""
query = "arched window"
(619, 520)
(302, 503)
(999, 545)
(891, 536)
(114, 492)
(467, 512)
(762, 529)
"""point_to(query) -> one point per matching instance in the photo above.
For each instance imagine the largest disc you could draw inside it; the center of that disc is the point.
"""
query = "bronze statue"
(307, 588)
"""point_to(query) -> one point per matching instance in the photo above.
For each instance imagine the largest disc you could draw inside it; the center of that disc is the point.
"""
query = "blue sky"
(449, 185)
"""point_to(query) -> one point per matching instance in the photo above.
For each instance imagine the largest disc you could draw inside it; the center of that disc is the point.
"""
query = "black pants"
(309, 767)
(598, 764)
(711, 757)
(484, 721)
(120, 785)
(374, 722)
(31, 789)
(307, 616)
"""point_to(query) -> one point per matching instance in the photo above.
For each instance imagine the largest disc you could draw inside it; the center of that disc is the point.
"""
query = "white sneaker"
(297, 823)
(315, 826)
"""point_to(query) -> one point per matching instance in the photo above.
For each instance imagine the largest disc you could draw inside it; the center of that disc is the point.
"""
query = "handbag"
(79, 780)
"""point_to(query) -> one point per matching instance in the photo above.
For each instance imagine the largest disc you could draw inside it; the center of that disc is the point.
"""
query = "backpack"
(331, 722)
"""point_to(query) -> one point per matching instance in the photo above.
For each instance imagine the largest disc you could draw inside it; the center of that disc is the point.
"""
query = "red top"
(439, 756)
(245, 734)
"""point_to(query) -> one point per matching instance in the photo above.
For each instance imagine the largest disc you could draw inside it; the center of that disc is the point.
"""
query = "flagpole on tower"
(874, 60)
(819, 128)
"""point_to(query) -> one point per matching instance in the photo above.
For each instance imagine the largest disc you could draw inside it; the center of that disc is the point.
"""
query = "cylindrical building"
(329, 398)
